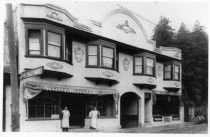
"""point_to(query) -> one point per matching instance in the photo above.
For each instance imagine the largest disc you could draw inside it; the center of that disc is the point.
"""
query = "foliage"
(194, 46)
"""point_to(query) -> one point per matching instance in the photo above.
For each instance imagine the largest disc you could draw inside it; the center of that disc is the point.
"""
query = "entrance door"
(75, 103)
(129, 110)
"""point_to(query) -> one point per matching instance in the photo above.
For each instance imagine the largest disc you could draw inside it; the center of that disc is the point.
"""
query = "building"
(110, 64)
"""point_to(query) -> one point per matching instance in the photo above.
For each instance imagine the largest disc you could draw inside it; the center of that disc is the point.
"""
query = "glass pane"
(54, 39)
(32, 111)
(138, 69)
(92, 60)
(176, 76)
(34, 52)
(107, 62)
(168, 68)
(168, 75)
(150, 62)
(34, 40)
(176, 68)
(48, 111)
(108, 52)
(138, 61)
(54, 51)
(92, 50)
(150, 70)
(40, 111)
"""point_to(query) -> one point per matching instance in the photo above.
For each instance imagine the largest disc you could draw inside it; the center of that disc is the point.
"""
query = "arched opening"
(129, 111)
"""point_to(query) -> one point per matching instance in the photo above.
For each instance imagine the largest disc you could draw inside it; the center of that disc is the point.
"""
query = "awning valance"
(69, 89)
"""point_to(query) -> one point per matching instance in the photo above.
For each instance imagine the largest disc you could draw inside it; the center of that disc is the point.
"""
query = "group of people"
(65, 114)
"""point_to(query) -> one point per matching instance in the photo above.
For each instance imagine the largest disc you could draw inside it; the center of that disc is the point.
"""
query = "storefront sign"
(157, 118)
(32, 72)
(54, 15)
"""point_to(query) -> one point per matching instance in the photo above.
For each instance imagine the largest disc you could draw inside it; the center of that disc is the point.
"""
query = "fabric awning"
(69, 89)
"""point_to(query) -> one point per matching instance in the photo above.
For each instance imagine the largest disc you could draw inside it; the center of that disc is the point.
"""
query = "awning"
(69, 89)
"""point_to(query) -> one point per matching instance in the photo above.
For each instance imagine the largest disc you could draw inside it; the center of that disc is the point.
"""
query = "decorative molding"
(54, 15)
(159, 71)
(126, 64)
(108, 74)
(177, 55)
(126, 28)
(150, 80)
(157, 50)
(177, 84)
(55, 65)
(79, 53)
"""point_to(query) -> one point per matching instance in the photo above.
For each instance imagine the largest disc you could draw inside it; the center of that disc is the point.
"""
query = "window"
(176, 72)
(54, 45)
(34, 41)
(168, 71)
(101, 56)
(138, 65)
(43, 105)
(92, 55)
(150, 66)
(108, 57)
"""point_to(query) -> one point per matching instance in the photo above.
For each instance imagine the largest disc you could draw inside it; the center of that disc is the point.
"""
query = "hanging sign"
(32, 72)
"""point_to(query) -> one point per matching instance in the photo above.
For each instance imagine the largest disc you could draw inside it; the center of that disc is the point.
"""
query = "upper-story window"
(101, 55)
(54, 45)
(138, 65)
(144, 64)
(150, 66)
(49, 41)
(172, 71)
(34, 37)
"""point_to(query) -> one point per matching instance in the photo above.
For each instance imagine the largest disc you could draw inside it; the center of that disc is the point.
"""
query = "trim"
(134, 60)
(40, 119)
(172, 63)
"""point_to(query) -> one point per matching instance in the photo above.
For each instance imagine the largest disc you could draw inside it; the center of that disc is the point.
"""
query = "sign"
(32, 72)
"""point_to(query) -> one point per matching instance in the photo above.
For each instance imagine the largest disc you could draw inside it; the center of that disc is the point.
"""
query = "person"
(94, 116)
(65, 119)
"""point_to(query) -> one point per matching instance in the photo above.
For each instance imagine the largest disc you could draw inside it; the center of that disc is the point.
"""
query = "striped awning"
(69, 89)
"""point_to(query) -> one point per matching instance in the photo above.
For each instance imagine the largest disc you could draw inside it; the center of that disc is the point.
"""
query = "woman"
(94, 116)
(65, 119)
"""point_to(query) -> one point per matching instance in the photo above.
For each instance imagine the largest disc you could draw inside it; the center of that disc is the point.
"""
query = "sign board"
(32, 72)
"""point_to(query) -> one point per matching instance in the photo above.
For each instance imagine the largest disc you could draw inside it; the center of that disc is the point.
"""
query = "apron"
(94, 114)
(65, 119)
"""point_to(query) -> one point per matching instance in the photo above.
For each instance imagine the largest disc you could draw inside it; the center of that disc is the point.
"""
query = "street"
(175, 129)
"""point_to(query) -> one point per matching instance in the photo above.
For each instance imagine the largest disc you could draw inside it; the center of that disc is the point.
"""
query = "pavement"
(181, 128)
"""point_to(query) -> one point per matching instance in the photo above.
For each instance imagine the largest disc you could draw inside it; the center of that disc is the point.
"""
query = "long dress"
(65, 119)
(93, 114)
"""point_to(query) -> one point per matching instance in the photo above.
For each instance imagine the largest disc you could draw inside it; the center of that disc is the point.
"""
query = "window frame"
(114, 58)
(87, 56)
(154, 62)
(134, 65)
(171, 72)
(173, 64)
(175, 72)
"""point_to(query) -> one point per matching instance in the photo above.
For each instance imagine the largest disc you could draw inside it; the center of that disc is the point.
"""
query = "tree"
(164, 33)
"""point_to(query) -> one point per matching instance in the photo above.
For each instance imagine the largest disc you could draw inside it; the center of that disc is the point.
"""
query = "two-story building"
(111, 64)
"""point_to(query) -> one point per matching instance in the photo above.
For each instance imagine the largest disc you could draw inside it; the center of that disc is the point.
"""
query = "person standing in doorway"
(65, 119)
(94, 116)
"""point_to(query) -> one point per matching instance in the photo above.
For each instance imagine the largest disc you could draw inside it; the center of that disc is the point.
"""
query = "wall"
(8, 108)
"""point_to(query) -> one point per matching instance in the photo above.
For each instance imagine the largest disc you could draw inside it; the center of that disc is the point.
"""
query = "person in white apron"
(94, 116)
(65, 119)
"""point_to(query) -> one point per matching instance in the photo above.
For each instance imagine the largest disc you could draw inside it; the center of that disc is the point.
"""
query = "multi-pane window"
(43, 105)
(92, 55)
(54, 45)
(168, 70)
(176, 72)
(108, 57)
(138, 65)
(150, 66)
(34, 41)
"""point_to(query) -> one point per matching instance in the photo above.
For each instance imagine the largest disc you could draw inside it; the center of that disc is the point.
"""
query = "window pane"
(92, 50)
(54, 51)
(108, 62)
(48, 111)
(138, 69)
(54, 39)
(32, 111)
(40, 111)
(35, 52)
(150, 62)
(150, 70)
(168, 68)
(176, 76)
(138, 61)
(168, 75)
(92, 60)
(108, 52)
(34, 40)
(176, 68)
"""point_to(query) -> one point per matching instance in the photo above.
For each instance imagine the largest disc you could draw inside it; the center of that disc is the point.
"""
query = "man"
(94, 116)
(65, 119)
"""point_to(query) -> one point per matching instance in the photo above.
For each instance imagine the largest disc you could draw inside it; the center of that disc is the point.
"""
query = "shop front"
(45, 101)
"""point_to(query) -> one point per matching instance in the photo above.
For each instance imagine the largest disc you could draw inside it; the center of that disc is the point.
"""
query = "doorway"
(129, 110)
